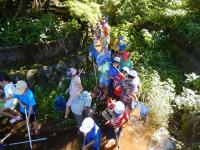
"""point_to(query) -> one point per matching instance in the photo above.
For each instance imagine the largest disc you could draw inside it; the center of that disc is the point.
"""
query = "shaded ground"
(134, 136)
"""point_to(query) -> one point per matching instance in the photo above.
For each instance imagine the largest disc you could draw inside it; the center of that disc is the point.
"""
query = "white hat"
(133, 73)
(117, 59)
(73, 71)
(126, 69)
(21, 87)
(119, 107)
(87, 125)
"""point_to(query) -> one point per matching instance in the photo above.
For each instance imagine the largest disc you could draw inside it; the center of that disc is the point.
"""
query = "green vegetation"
(151, 28)
(39, 28)
(86, 11)
(45, 100)
(193, 81)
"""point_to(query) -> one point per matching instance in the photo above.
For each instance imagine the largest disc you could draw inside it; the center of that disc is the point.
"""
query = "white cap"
(73, 71)
(21, 87)
(126, 69)
(119, 107)
(133, 73)
(117, 59)
(87, 125)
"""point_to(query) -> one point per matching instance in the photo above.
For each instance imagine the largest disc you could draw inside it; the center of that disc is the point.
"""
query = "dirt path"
(134, 137)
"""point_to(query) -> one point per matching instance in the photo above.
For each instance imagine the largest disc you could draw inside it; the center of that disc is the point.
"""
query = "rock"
(30, 76)
(62, 67)
(31, 73)
(163, 140)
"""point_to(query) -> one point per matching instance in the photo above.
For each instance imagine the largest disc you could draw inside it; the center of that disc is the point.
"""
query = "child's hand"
(84, 148)
(116, 129)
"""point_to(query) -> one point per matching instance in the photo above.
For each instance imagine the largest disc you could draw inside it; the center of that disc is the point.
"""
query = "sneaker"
(18, 118)
(12, 121)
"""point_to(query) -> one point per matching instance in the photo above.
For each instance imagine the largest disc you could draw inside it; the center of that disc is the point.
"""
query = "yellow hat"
(21, 86)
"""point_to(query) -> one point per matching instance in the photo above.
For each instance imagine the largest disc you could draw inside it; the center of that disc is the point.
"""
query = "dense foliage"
(39, 28)
(79, 9)
(151, 28)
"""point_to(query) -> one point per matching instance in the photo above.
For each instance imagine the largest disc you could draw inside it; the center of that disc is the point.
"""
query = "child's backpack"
(59, 103)
(144, 110)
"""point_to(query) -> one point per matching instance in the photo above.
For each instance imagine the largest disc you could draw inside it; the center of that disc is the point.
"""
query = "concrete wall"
(39, 52)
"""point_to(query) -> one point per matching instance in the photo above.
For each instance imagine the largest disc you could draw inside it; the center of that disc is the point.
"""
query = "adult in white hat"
(129, 90)
(119, 118)
(92, 134)
(27, 101)
(75, 89)
(113, 71)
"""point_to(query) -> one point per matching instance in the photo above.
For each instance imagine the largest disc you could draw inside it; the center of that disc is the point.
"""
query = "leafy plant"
(41, 28)
(86, 11)
(193, 81)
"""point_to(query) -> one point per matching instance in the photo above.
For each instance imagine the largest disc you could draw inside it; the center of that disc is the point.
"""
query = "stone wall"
(39, 52)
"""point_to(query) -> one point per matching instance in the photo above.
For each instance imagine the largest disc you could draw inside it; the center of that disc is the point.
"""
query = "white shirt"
(75, 86)
(83, 100)
(136, 82)
(9, 90)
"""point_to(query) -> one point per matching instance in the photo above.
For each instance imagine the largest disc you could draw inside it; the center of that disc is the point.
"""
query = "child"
(115, 124)
(113, 71)
(9, 103)
(128, 90)
(75, 89)
(27, 101)
(92, 133)
(81, 104)
(125, 61)
(121, 76)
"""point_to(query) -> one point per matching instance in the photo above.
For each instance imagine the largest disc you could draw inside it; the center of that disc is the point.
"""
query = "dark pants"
(110, 88)
(110, 133)
(79, 119)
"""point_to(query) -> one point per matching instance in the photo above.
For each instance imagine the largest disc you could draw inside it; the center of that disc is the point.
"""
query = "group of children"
(119, 83)
(14, 94)
(123, 89)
